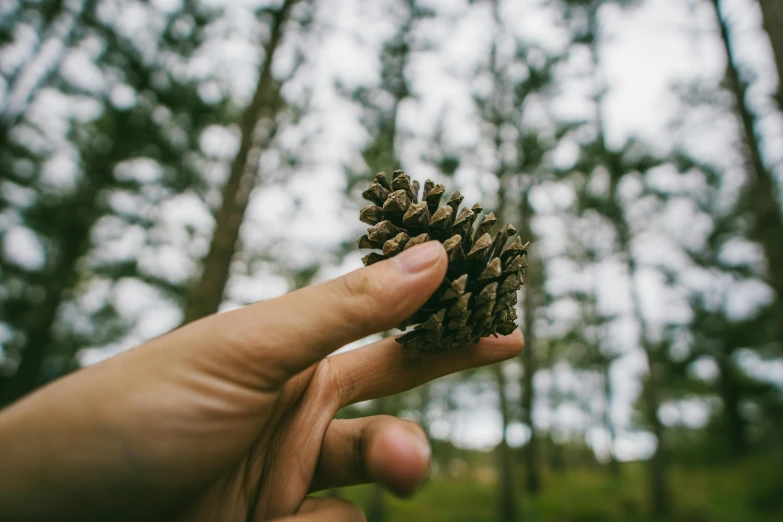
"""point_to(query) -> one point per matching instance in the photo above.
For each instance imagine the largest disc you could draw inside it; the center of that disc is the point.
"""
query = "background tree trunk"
(531, 450)
(651, 389)
(761, 193)
(529, 295)
(614, 465)
(209, 289)
(732, 416)
(507, 507)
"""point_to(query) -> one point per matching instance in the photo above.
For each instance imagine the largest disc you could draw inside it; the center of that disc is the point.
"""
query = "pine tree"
(380, 105)
(55, 22)
(772, 13)
(719, 337)
(66, 220)
(257, 128)
(504, 110)
(713, 333)
(761, 189)
(617, 165)
(587, 344)
(381, 153)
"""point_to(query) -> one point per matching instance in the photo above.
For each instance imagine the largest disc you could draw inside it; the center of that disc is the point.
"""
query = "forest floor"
(751, 491)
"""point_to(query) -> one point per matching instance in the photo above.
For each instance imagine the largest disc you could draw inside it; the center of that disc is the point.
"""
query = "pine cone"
(478, 296)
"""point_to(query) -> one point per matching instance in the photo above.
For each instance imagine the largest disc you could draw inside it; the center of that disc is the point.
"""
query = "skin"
(231, 418)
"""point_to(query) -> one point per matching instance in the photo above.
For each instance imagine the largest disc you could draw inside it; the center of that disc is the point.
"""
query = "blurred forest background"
(163, 160)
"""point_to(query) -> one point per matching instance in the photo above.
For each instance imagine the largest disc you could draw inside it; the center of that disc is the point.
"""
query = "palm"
(278, 456)
(277, 472)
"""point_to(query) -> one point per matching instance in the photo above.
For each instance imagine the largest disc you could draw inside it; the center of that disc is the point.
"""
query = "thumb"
(284, 336)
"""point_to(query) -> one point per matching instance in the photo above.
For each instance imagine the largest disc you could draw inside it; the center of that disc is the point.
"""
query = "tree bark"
(761, 193)
(507, 507)
(529, 296)
(614, 465)
(209, 289)
(376, 510)
(659, 489)
(661, 498)
(772, 13)
(734, 422)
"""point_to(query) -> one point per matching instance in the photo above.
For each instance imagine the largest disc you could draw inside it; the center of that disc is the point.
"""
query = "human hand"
(232, 417)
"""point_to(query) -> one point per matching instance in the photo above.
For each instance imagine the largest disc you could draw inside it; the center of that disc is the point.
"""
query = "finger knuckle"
(363, 292)
(362, 284)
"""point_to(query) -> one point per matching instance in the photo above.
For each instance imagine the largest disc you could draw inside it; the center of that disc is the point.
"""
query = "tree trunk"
(376, 510)
(659, 491)
(762, 191)
(529, 296)
(614, 465)
(732, 416)
(507, 508)
(658, 465)
(659, 488)
(772, 12)
(208, 292)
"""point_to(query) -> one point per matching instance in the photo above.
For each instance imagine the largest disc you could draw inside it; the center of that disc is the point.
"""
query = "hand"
(231, 418)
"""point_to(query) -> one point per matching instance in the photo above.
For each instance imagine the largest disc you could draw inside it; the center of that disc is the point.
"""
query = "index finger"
(385, 368)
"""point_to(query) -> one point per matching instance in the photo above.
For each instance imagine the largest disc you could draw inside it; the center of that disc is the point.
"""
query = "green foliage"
(161, 126)
(747, 492)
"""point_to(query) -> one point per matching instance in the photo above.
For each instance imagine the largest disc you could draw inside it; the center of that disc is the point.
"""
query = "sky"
(645, 51)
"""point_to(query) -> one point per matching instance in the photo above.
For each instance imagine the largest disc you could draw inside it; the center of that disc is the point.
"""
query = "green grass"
(747, 492)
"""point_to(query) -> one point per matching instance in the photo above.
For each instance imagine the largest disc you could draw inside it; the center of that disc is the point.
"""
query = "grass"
(748, 492)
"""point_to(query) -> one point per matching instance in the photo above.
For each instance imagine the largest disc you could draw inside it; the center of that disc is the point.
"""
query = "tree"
(772, 13)
(56, 22)
(380, 105)
(761, 190)
(520, 150)
(380, 108)
(257, 129)
(66, 220)
(587, 343)
(616, 166)
(714, 333)
(621, 165)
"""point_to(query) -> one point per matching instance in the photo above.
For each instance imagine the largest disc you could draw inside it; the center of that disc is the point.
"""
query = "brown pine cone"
(478, 296)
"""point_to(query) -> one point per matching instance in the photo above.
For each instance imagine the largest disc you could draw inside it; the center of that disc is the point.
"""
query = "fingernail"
(419, 257)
